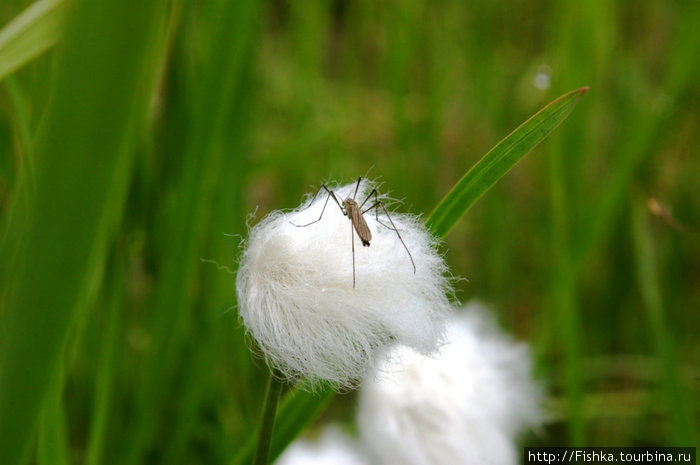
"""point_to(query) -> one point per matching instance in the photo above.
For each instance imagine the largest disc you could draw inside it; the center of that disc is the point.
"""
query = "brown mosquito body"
(355, 214)
(352, 211)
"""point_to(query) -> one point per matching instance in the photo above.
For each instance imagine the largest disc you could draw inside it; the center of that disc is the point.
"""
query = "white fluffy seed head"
(333, 447)
(464, 405)
(296, 296)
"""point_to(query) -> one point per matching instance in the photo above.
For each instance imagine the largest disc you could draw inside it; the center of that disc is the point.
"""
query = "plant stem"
(267, 425)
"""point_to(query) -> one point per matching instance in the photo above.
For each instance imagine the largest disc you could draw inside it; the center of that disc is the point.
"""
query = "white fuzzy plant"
(464, 405)
(320, 311)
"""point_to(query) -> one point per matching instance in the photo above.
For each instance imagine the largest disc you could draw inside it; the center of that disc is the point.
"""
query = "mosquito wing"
(360, 226)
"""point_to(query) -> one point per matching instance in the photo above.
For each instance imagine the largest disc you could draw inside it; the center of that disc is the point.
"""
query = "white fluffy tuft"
(296, 295)
(465, 405)
(333, 447)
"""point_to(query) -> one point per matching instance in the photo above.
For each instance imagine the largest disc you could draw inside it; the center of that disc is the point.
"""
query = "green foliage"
(84, 150)
(135, 143)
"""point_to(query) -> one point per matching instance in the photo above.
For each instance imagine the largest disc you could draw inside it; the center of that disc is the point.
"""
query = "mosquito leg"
(393, 226)
(352, 235)
(376, 212)
(357, 187)
(373, 193)
(330, 194)
(315, 195)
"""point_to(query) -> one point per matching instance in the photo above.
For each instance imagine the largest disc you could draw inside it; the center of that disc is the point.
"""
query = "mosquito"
(354, 212)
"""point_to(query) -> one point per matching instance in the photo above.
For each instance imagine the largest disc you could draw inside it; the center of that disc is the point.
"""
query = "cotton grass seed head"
(466, 404)
(296, 295)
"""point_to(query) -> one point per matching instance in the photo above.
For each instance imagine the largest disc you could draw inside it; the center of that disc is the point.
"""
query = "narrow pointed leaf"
(498, 162)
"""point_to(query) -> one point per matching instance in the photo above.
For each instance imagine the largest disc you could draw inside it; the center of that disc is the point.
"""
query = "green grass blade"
(103, 401)
(272, 397)
(679, 408)
(52, 447)
(10, 233)
(563, 294)
(298, 409)
(498, 161)
(83, 157)
(223, 59)
(31, 33)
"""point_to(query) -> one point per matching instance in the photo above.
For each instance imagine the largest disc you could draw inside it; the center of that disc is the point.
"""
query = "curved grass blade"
(31, 33)
(498, 161)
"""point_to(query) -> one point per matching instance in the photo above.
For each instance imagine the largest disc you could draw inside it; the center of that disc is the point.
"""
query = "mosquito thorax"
(349, 204)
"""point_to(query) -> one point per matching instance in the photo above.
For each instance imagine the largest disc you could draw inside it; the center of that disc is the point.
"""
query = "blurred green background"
(136, 138)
